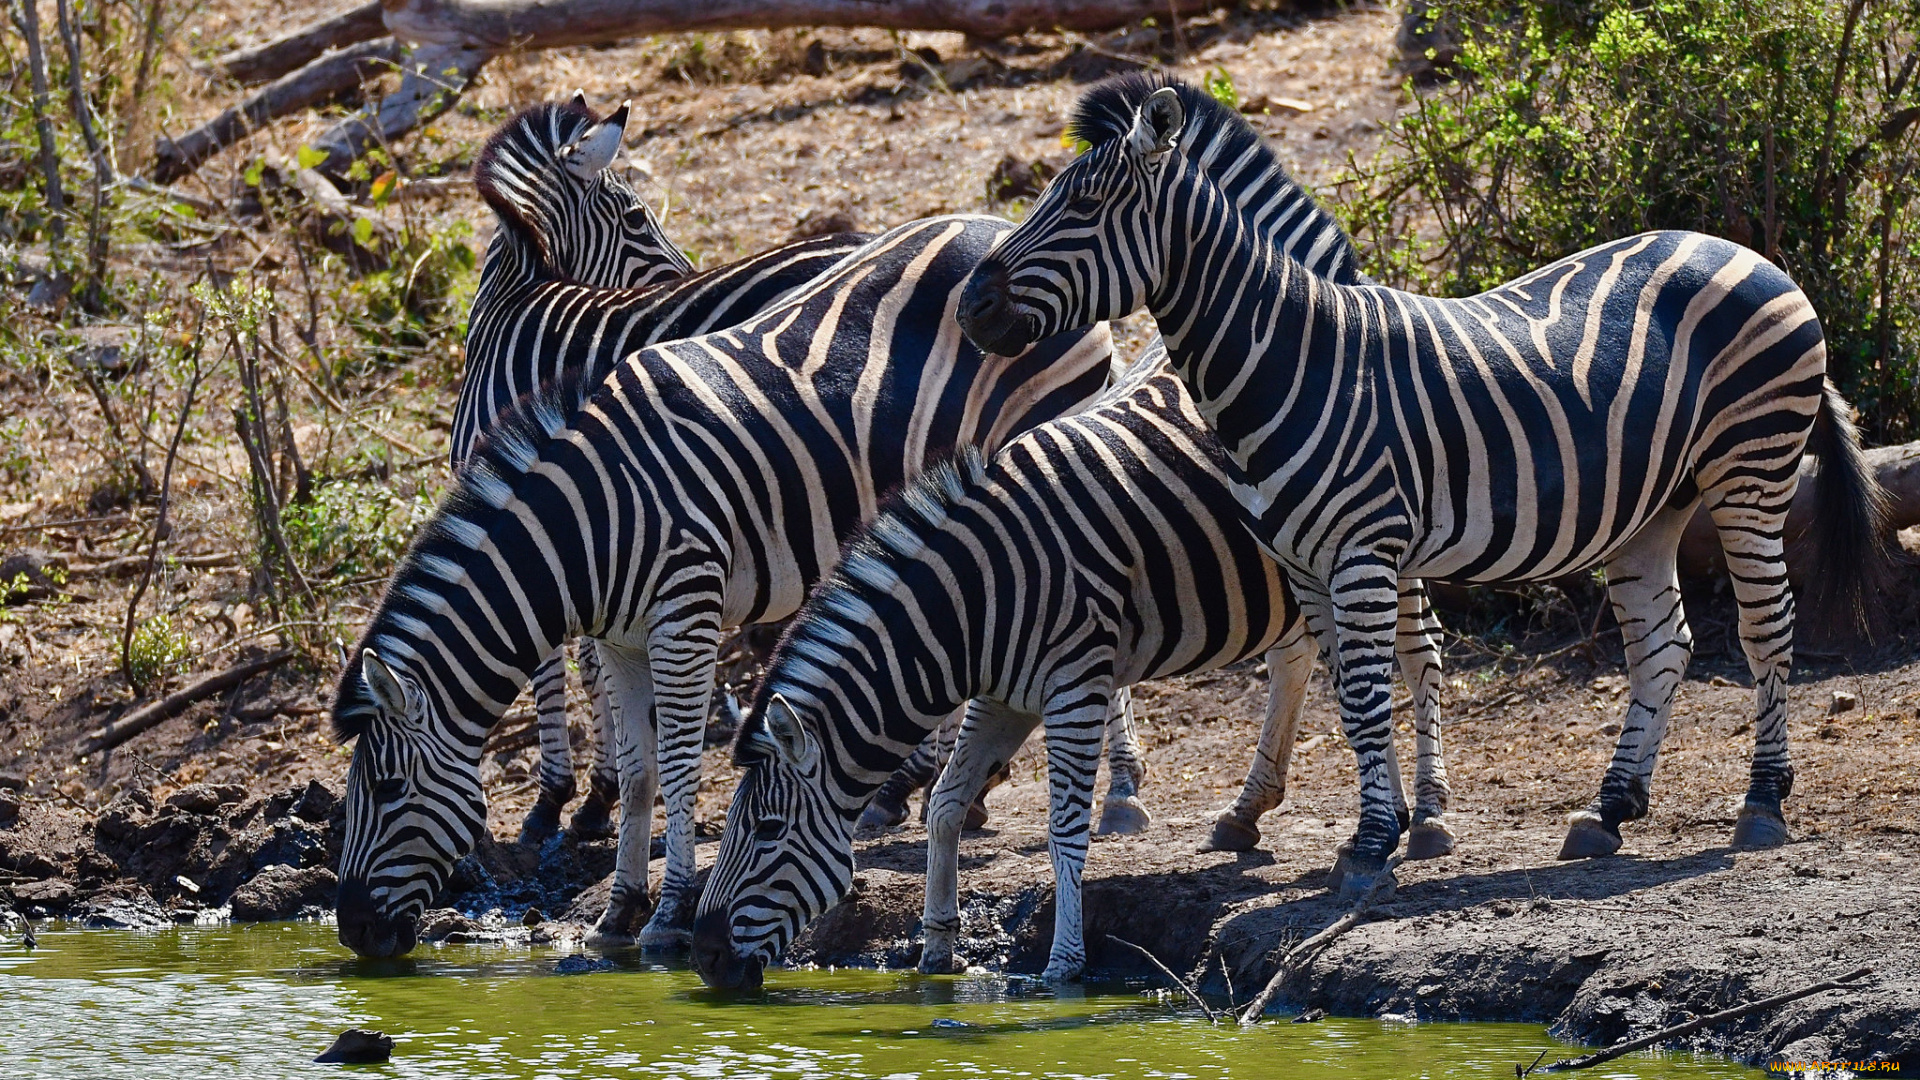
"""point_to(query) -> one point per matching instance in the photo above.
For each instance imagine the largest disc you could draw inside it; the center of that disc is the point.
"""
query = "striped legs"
(684, 647)
(1121, 812)
(1419, 649)
(1364, 600)
(629, 680)
(1289, 664)
(1644, 586)
(556, 750)
(593, 819)
(1074, 735)
(989, 737)
(1751, 520)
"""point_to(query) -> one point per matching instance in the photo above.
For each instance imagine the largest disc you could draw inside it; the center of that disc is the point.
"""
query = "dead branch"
(127, 564)
(328, 78)
(1896, 467)
(1212, 1017)
(1361, 909)
(26, 16)
(148, 716)
(1691, 1026)
(263, 63)
(546, 24)
(432, 78)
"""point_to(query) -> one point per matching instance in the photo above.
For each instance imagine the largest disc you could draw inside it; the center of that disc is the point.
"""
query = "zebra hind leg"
(556, 751)
(988, 739)
(889, 806)
(1751, 520)
(594, 819)
(1419, 649)
(1122, 813)
(1644, 586)
(1289, 664)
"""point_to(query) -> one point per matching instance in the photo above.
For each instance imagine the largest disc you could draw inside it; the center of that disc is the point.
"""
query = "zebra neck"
(511, 264)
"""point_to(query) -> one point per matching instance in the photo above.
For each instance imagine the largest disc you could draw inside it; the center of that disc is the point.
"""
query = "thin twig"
(1528, 1071)
(1212, 1016)
(162, 528)
(1356, 916)
(1692, 1026)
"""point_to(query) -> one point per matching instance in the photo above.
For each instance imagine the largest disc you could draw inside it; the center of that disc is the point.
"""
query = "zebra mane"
(523, 156)
(817, 637)
(1228, 148)
(486, 481)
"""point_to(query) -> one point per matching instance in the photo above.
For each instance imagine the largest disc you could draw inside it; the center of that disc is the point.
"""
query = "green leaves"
(1219, 86)
(309, 157)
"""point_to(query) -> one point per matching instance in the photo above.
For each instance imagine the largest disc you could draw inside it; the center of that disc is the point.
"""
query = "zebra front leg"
(556, 750)
(1365, 601)
(594, 819)
(1074, 737)
(1122, 813)
(989, 737)
(685, 653)
(1751, 520)
(1644, 586)
(630, 696)
(1419, 649)
(1289, 665)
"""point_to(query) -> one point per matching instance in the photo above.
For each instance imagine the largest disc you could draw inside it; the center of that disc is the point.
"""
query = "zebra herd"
(928, 430)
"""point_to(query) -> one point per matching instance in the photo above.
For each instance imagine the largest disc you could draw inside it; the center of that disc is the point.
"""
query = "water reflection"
(254, 1001)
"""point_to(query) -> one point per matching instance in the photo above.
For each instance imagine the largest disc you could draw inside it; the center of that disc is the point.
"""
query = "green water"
(260, 1001)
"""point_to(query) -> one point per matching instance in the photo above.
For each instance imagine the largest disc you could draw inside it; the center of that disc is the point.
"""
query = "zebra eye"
(638, 219)
(769, 830)
(1086, 202)
(390, 789)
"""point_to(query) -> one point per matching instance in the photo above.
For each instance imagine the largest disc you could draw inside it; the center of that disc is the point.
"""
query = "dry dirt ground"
(745, 139)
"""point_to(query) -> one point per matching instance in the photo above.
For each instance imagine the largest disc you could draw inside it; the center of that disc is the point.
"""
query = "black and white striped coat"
(705, 483)
(1573, 418)
(579, 274)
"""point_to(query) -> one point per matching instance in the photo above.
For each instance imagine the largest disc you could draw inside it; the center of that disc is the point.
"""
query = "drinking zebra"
(1096, 551)
(1573, 418)
(704, 483)
(578, 274)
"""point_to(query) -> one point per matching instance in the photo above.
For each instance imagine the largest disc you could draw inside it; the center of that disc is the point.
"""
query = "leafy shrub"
(156, 650)
(1785, 125)
(354, 530)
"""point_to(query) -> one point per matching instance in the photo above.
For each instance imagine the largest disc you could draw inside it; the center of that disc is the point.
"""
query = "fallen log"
(1361, 910)
(329, 78)
(546, 24)
(432, 78)
(264, 63)
(1896, 467)
(153, 714)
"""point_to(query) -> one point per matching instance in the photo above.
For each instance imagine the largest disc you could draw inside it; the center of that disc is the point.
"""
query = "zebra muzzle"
(367, 930)
(988, 315)
(715, 961)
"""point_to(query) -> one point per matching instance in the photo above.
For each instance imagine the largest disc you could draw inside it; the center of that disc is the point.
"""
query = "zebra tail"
(1848, 557)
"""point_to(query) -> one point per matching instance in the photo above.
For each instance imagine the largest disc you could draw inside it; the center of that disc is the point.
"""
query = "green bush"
(354, 529)
(1785, 125)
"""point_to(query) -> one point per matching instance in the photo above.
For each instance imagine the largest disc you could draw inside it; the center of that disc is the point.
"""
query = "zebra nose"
(985, 301)
(366, 929)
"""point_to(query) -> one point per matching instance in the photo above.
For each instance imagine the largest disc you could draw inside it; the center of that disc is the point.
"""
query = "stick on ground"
(1212, 1017)
(1691, 1026)
(153, 714)
(1251, 1014)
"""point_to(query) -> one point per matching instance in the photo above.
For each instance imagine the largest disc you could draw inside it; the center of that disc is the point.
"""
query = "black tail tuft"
(1848, 562)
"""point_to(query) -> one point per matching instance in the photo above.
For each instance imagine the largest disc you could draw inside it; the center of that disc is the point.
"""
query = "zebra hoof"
(938, 960)
(1429, 839)
(664, 939)
(593, 821)
(1342, 864)
(542, 824)
(1124, 816)
(1062, 971)
(1759, 827)
(1588, 837)
(1357, 883)
(977, 815)
(1231, 834)
(879, 817)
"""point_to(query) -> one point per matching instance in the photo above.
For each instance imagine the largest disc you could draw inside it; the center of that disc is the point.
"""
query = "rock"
(316, 804)
(9, 806)
(1016, 179)
(281, 892)
(136, 912)
(1311, 1016)
(12, 782)
(580, 964)
(292, 843)
(440, 924)
(358, 1046)
(26, 576)
(1843, 701)
(534, 917)
(52, 893)
(205, 798)
(823, 222)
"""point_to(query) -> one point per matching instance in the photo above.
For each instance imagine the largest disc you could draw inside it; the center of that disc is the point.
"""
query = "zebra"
(579, 273)
(703, 483)
(1095, 551)
(1573, 418)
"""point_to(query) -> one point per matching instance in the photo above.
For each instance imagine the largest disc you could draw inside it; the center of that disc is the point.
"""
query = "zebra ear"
(579, 100)
(382, 683)
(791, 742)
(590, 156)
(1157, 124)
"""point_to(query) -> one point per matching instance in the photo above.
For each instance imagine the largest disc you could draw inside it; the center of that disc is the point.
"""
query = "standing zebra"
(1573, 418)
(705, 483)
(579, 274)
(1095, 551)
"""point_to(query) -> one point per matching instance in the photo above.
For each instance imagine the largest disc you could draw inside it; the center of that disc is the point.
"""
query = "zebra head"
(1089, 251)
(414, 804)
(547, 174)
(787, 854)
